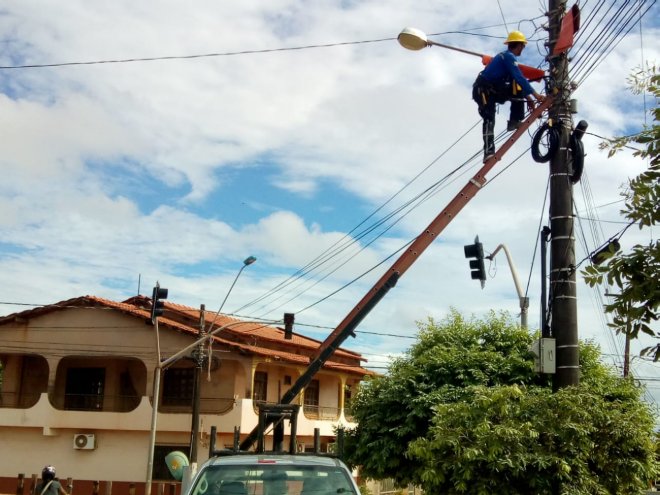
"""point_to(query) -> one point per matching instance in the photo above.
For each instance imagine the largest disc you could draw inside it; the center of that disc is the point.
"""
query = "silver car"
(273, 474)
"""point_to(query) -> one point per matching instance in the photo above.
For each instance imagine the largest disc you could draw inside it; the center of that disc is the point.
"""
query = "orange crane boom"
(401, 265)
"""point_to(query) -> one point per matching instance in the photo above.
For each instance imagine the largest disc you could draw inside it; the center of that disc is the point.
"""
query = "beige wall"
(41, 434)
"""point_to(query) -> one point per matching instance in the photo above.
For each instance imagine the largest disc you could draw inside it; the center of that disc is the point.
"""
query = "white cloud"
(113, 171)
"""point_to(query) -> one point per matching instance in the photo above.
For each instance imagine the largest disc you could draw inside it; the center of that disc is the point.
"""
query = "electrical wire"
(466, 31)
(538, 239)
(388, 221)
(594, 45)
(195, 56)
(502, 14)
(614, 28)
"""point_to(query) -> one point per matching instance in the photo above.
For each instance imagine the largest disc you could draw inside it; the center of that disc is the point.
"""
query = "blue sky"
(176, 170)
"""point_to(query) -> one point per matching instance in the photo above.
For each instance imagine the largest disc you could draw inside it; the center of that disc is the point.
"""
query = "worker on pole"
(502, 81)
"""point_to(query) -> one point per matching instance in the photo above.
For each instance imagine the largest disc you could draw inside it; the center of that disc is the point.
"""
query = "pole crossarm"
(400, 266)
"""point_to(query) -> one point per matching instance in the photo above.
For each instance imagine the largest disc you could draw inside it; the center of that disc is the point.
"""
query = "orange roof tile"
(140, 307)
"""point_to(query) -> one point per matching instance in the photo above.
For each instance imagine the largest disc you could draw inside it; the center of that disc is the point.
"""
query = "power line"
(195, 56)
(229, 54)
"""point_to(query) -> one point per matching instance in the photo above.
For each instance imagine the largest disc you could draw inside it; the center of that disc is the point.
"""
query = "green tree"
(636, 273)
(463, 412)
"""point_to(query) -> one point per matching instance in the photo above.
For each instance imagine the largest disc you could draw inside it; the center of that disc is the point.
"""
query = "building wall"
(36, 355)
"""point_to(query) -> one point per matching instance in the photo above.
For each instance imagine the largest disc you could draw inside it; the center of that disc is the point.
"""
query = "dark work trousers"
(488, 95)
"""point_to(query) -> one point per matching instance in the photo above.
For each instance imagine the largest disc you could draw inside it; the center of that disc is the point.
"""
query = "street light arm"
(415, 39)
(524, 301)
(512, 267)
(247, 262)
(456, 49)
(231, 287)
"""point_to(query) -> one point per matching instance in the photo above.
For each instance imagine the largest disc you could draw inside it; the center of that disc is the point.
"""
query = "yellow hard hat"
(515, 37)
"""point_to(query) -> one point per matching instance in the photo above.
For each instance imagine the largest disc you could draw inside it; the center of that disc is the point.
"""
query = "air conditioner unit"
(84, 441)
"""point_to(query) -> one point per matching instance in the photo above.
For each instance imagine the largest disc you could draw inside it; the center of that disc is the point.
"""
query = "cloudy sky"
(298, 132)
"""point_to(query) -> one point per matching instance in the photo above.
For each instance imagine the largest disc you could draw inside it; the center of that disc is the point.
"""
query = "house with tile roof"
(77, 388)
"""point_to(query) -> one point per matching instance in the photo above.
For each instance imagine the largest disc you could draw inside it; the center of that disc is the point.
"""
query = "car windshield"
(272, 479)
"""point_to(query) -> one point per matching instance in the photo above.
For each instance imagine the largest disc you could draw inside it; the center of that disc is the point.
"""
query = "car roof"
(288, 459)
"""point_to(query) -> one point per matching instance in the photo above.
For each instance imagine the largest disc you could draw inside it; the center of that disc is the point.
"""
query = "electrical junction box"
(544, 355)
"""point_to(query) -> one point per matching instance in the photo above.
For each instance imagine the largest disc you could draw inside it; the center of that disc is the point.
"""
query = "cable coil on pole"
(552, 142)
(577, 154)
(577, 151)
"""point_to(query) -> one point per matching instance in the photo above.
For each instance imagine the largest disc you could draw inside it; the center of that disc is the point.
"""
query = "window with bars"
(260, 389)
(311, 400)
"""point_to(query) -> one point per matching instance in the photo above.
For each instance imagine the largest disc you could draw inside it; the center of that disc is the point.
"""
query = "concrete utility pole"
(562, 247)
(198, 355)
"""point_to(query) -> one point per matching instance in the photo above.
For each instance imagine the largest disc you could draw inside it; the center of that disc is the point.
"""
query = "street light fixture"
(415, 39)
(246, 262)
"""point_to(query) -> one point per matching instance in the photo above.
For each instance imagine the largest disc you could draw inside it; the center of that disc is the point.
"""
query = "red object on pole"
(570, 24)
(531, 73)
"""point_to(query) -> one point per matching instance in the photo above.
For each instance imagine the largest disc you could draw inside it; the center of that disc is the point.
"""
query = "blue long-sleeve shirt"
(504, 66)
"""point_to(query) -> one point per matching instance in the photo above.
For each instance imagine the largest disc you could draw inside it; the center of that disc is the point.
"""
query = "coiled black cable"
(577, 151)
(552, 142)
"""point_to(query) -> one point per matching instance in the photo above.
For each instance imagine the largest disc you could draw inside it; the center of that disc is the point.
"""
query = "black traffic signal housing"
(157, 305)
(477, 267)
(289, 319)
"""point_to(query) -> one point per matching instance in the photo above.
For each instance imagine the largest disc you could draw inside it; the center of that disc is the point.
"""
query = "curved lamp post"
(246, 262)
(198, 371)
(161, 365)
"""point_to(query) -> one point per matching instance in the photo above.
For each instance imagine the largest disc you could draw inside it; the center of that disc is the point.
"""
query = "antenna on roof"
(139, 279)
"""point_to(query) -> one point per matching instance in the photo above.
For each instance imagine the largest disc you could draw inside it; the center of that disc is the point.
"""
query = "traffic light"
(289, 318)
(477, 267)
(157, 304)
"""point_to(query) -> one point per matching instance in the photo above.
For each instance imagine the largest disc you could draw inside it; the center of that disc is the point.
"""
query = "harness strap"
(46, 487)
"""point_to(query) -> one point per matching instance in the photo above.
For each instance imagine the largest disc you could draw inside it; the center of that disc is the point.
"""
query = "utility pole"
(562, 248)
(198, 356)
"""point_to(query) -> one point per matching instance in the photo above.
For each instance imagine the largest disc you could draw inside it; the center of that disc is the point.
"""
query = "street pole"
(562, 249)
(154, 413)
(198, 355)
(164, 364)
(523, 300)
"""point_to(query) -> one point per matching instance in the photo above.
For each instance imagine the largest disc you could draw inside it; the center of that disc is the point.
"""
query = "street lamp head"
(249, 260)
(413, 39)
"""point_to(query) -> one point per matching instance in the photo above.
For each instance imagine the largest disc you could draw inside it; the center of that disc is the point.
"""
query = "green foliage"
(463, 412)
(532, 438)
(636, 273)
(364, 489)
(393, 410)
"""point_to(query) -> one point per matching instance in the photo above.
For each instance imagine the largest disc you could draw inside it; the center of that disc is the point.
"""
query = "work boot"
(512, 125)
(488, 130)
